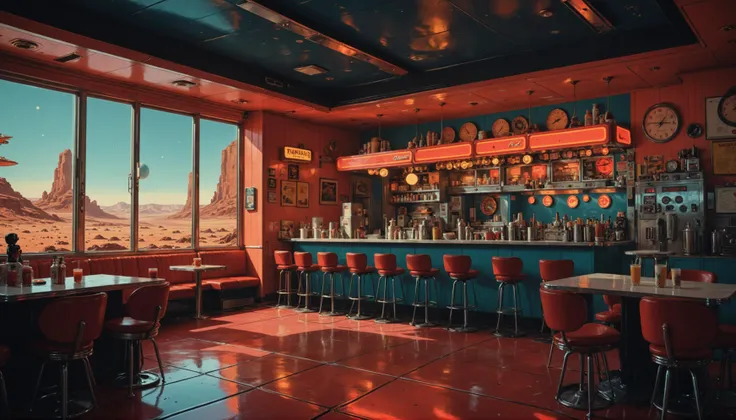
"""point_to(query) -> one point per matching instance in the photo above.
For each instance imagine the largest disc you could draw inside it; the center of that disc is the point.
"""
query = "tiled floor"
(277, 364)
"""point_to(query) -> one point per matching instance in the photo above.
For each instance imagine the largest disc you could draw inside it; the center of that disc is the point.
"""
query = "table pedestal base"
(142, 380)
(49, 405)
(575, 396)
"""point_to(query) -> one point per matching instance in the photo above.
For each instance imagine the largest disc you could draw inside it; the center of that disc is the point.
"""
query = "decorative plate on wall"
(500, 128)
(573, 201)
(448, 135)
(531, 200)
(548, 201)
(586, 198)
(604, 201)
(468, 131)
(488, 206)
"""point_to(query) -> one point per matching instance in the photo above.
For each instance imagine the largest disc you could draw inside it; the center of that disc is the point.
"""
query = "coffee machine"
(671, 215)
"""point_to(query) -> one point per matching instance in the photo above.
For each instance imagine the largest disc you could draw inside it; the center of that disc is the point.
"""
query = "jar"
(27, 274)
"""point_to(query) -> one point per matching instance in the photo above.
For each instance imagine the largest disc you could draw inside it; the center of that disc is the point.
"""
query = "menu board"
(725, 199)
(522, 175)
(724, 157)
(600, 168)
(566, 171)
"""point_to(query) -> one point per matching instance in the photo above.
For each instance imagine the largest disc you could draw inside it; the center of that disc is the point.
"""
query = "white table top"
(195, 269)
(90, 284)
(616, 284)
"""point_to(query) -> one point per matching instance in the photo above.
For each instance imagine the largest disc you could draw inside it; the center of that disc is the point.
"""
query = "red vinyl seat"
(304, 267)
(304, 262)
(234, 276)
(420, 265)
(508, 269)
(283, 260)
(328, 263)
(550, 270)
(613, 315)
(458, 268)
(358, 263)
(508, 272)
(699, 276)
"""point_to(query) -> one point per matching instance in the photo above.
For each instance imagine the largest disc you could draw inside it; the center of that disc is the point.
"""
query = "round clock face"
(468, 131)
(488, 206)
(604, 166)
(661, 123)
(527, 159)
(500, 128)
(520, 125)
(557, 119)
(586, 198)
(548, 201)
(531, 200)
(672, 165)
(572, 201)
(448, 135)
(727, 108)
(604, 201)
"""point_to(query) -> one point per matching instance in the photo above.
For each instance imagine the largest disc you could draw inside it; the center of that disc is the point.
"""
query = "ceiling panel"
(715, 21)
(665, 70)
(590, 81)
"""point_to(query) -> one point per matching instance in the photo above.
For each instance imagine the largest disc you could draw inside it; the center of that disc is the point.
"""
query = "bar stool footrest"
(508, 311)
(571, 396)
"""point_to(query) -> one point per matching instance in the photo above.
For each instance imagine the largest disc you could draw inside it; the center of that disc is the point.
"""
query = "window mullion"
(195, 181)
(79, 171)
(133, 177)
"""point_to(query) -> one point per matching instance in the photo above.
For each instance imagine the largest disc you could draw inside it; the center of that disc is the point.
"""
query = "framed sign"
(272, 172)
(250, 198)
(327, 191)
(273, 197)
(271, 183)
(296, 154)
(725, 199)
(302, 194)
(288, 193)
(715, 128)
(724, 157)
(293, 172)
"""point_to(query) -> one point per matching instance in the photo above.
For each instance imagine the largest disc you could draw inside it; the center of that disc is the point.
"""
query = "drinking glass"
(676, 273)
(77, 273)
(635, 274)
(153, 273)
(660, 275)
(197, 262)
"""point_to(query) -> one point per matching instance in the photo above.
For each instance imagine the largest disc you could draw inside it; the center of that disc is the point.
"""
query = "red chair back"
(282, 257)
(692, 326)
(507, 266)
(385, 262)
(356, 261)
(551, 270)
(303, 259)
(457, 264)
(419, 262)
(59, 320)
(327, 259)
(611, 300)
(143, 302)
(699, 276)
(563, 311)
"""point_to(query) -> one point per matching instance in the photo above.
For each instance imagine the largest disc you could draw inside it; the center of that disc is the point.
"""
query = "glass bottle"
(27, 274)
(62, 271)
(54, 271)
(3, 267)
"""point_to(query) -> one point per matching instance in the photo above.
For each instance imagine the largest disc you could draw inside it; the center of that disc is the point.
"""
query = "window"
(37, 166)
(107, 205)
(218, 184)
(165, 185)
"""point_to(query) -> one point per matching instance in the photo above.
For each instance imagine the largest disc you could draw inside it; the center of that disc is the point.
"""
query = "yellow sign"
(724, 157)
(295, 154)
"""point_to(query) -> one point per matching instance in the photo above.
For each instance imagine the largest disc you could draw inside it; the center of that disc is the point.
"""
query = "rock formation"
(13, 206)
(61, 198)
(185, 211)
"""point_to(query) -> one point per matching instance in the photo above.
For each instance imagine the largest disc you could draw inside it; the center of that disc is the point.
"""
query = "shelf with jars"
(415, 185)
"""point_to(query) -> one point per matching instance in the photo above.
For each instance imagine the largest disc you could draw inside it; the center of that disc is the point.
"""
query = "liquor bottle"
(27, 274)
(54, 271)
(596, 114)
(588, 118)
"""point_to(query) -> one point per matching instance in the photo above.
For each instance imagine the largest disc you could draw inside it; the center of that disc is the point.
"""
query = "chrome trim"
(135, 144)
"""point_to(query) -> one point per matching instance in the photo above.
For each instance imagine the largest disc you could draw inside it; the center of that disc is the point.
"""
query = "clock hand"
(556, 121)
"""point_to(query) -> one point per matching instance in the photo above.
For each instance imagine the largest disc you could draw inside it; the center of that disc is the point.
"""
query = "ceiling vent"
(183, 83)
(311, 70)
(24, 44)
(67, 58)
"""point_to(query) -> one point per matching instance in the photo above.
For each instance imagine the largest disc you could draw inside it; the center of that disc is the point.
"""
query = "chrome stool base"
(306, 294)
(305, 310)
(142, 380)
(359, 316)
(285, 276)
(384, 317)
(426, 304)
(331, 313)
(572, 396)
(332, 295)
(509, 334)
(462, 329)
(49, 406)
(386, 320)
(424, 325)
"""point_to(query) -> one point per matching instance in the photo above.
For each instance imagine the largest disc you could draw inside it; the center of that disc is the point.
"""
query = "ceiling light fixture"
(574, 121)
(67, 58)
(310, 70)
(546, 13)
(726, 28)
(655, 68)
(239, 101)
(24, 44)
(183, 83)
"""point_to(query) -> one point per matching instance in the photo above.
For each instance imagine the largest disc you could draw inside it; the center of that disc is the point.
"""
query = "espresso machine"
(671, 215)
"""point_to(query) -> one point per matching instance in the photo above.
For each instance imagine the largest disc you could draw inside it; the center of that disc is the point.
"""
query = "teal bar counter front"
(606, 258)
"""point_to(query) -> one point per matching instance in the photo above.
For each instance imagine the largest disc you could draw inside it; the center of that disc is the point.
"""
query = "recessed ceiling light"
(473, 103)
(547, 97)
(726, 28)
(311, 70)
(329, 78)
(24, 44)
(554, 32)
(183, 83)
(67, 58)
(239, 101)
(546, 13)
(299, 41)
(655, 68)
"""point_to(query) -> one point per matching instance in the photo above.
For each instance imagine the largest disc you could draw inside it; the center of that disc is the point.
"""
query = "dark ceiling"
(384, 48)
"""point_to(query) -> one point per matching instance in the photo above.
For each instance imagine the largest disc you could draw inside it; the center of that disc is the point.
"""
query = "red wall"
(689, 97)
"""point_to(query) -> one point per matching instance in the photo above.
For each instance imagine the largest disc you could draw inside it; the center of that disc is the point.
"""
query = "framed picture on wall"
(294, 172)
(715, 129)
(271, 183)
(272, 172)
(302, 194)
(723, 154)
(362, 187)
(327, 191)
(288, 193)
(250, 198)
(273, 197)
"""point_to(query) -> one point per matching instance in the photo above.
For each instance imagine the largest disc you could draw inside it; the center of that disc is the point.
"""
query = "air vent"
(183, 83)
(24, 44)
(311, 70)
(68, 58)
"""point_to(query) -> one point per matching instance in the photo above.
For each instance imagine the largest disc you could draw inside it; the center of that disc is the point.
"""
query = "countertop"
(457, 242)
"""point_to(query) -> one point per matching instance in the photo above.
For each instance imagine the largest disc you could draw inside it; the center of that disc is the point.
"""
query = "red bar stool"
(69, 327)
(4, 356)
(286, 266)
(358, 266)
(420, 267)
(567, 313)
(387, 270)
(327, 262)
(611, 317)
(304, 269)
(458, 268)
(550, 270)
(680, 335)
(508, 271)
(143, 312)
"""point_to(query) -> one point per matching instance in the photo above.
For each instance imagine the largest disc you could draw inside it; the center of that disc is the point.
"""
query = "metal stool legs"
(465, 307)
(387, 300)
(332, 295)
(501, 311)
(78, 407)
(579, 395)
(359, 316)
(304, 293)
(668, 386)
(284, 289)
(426, 303)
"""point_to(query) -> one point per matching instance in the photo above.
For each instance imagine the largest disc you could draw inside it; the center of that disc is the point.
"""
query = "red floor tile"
(334, 415)
(253, 405)
(328, 385)
(203, 357)
(403, 399)
(264, 369)
(396, 361)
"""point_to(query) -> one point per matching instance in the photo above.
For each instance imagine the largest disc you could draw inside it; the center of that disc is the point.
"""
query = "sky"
(42, 124)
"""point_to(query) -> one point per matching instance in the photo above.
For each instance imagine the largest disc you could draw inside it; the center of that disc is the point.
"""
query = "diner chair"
(700, 276)
(69, 327)
(680, 334)
(420, 267)
(567, 313)
(508, 271)
(143, 312)
(304, 270)
(611, 317)
(550, 270)
(329, 266)
(387, 270)
(4, 356)
(725, 342)
(285, 265)
(359, 269)
(459, 271)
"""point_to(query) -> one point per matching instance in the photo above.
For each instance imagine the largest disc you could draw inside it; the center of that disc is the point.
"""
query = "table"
(198, 287)
(637, 375)
(90, 284)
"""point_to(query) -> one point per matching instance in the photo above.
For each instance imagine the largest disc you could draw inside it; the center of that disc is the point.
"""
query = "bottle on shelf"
(596, 114)
(588, 117)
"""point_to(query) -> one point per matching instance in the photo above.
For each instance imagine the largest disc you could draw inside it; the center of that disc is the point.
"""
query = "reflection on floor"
(276, 364)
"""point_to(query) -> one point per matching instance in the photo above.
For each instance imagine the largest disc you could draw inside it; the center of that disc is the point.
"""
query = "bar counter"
(465, 242)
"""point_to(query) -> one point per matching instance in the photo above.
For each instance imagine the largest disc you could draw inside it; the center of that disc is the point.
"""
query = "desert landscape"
(45, 224)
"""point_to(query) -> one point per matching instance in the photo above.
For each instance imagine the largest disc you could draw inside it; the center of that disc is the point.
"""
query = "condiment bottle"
(54, 271)
(436, 232)
(588, 117)
(13, 272)
(27, 274)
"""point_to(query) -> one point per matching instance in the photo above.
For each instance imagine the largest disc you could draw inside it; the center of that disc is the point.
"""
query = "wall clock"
(694, 130)
(727, 107)
(661, 123)
(557, 119)
(604, 166)
(604, 201)
(520, 125)
(548, 201)
(448, 135)
(488, 206)
(500, 128)
(531, 200)
(573, 201)
(468, 131)
(586, 198)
